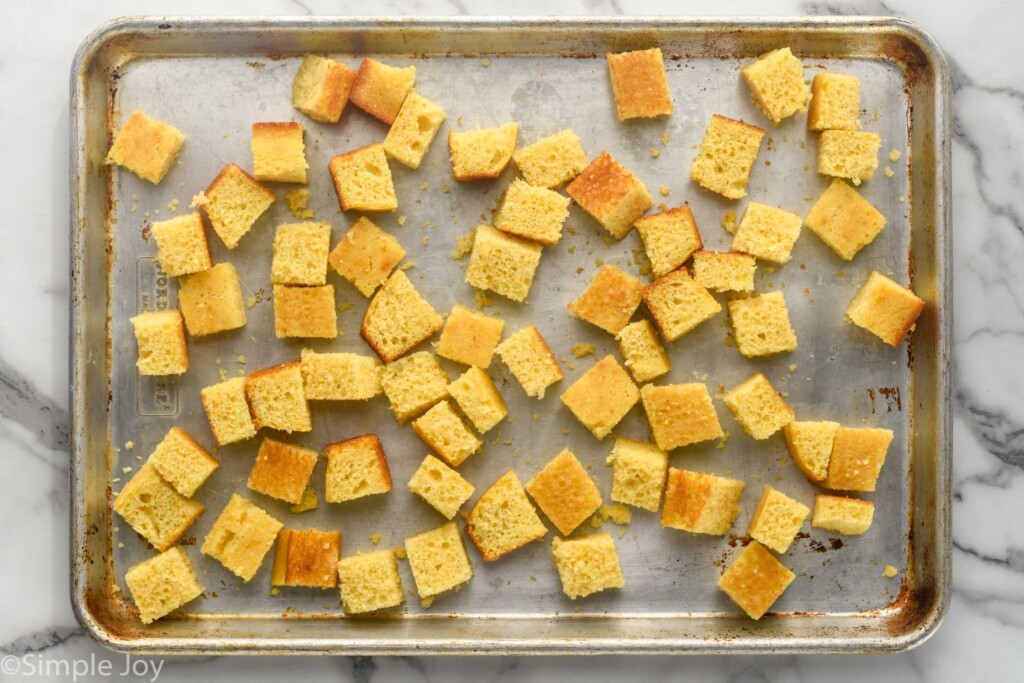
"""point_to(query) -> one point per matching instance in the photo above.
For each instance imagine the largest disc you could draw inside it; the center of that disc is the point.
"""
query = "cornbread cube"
(724, 271)
(339, 376)
(162, 584)
(669, 238)
(844, 220)
(611, 194)
(777, 81)
(366, 255)
(849, 516)
(530, 361)
(211, 300)
(755, 580)
(640, 84)
(362, 180)
(761, 324)
(678, 304)
(380, 90)
(680, 414)
(241, 537)
(307, 312)
(502, 263)
(300, 254)
(777, 520)
(413, 384)
(602, 396)
(587, 565)
(767, 233)
(727, 153)
(228, 411)
(482, 153)
(642, 352)
(370, 581)
(503, 520)
(444, 431)
(564, 492)
(282, 470)
(182, 462)
(848, 154)
(534, 213)
(440, 486)
(610, 300)
(160, 336)
(885, 309)
(638, 473)
(438, 560)
(181, 246)
(146, 147)
(758, 407)
(321, 88)
(810, 445)
(469, 337)
(398, 318)
(413, 130)
(552, 161)
(233, 202)
(701, 503)
(835, 102)
(155, 509)
(478, 398)
(857, 458)
(276, 399)
(278, 152)
(356, 468)
(306, 557)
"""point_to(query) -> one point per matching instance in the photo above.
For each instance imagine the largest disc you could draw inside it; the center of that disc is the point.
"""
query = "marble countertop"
(983, 632)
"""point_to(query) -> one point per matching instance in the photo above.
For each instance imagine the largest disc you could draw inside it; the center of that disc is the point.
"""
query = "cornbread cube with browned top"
(610, 300)
(469, 337)
(755, 580)
(211, 300)
(701, 503)
(305, 312)
(857, 458)
(482, 154)
(680, 414)
(155, 509)
(233, 202)
(362, 180)
(181, 246)
(321, 88)
(611, 194)
(726, 156)
(398, 318)
(356, 468)
(162, 584)
(602, 396)
(503, 520)
(278, 152)
(767, 233)
(380, 90)
(640, 84)
(678, 304)
(669, 238)
(761, 325)
(366, 255)
(241, 537)
(885, 309)
(307, 558)
(146, 147)
(160, 337)
(276, 398)
(844, 220)
(282, 470)
(564, 492)
(777, 81)
(552, 161)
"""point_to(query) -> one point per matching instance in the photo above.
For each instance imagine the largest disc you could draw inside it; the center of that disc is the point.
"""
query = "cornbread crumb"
(889, 571)
(729, 221)
(894, 156)
(617, 514)
(375, 537)
(889, 173)
(581, 350)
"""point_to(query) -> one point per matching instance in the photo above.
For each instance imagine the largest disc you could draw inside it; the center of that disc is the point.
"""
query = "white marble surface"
(983, 634)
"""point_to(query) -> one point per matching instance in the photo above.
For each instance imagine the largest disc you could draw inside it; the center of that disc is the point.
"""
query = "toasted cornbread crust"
(885, 309)
(146, 147)
(305, 312)
(602, 396)
(640, 84)
(282, 470)
(306, 557)
(321, 88)
(755, 580)
(701, 503)
(380, 90)
(611, 194)
(680, 414)
(610, 300)
(564, 492)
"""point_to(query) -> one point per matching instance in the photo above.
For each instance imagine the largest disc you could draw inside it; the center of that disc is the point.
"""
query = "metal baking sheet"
(213, 78)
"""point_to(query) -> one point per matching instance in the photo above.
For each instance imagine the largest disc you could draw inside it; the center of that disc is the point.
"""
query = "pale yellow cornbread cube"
(639, 84)
(552, 161)
(857, 458)
(602, 396)
(533, 213)
(611, 194)
(755, 580)
(438, 560)
(844, 220)
(339, 376)
(477, 397)
(182, 462)
(356, 468)
(669, 238)
(767, 233)
(469, 337)
(181, 246)
(777, 520)
(503, 520)
(321, 88)
(443, 430)
(366, 255)
(233, 202)
(810, 445)
(413, 130)
(241, 537)
(162, 584)
(362, 180)
(835, 102)
(639, 471)
(398, 318)
(642, 351)
(160, 337)
(155, 509)
(678, 304)
(228, 411)
(530, 361)
(481, 154)
(761, 324)
(276, 398)
(306, 558)
(586, 565)
(211, 300)
(610, 300)
(278, 152)
(850, 516)
(726, 156)
(502, 263)
(776, 80)
(724, 271)
(300, 254)
(440, 486)
(885, 309)
(413, 384)
(758, 407)
(564, 492)
(370, 582)
(380, 90)
(146, 147)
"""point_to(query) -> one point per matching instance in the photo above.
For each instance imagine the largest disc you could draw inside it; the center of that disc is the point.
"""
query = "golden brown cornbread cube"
(885, 309)
(849, 516)
(502, 263)
(777, 81)
(611, 194)
(413, 384)
(241, 537)
(155, 509)
(761, 324)
(305, 312)
(724, 271)
(844, 220)
(339, 376)
(755, 580)
(602, 396)
(306, 557)
(300, 254)
(857, 458)
(758, 407)
(701, 503)
(552, 161)
(530, 361)
(380, 90)
(669, 238)
(162, 584)
(282, 470)
(362, 180)
(440, 486)
(638, 473)
(228, 411)
(233, 202)
(810, 445)
(276, 399)
(680, 414)
(639, 84)
(479, 400)
(356, 468)
(727, 153)
(211, 300)
(413, 130)
(587, 565)
(610, 300)
(482, 153)
(767, 233)
(369, 582)
(438, 560)
(503, 520)
(642, 352)
(160, 337)
(564, 492)
(146, 147)
(835, 102)
(321, 88)
(398, 318)
(777, 520)
(469, 337)
(443, 430)
(278, 152)
(678, 304)
(182, 462)
(848, 154)
(366, 255)
(181, 246)
(534, 213)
